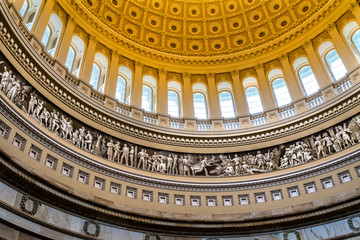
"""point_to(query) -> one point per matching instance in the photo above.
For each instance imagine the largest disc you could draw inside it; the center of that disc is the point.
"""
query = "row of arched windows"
(301, 66)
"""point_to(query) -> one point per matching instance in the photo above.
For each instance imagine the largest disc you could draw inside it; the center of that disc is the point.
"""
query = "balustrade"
(97, 96)
(257, 120)
(150, 118)
(177, 123)
(203, 125)
(287, 111)
(72, 80)
(123, 109)
(230, 124)
(315, 100)
(342, 85)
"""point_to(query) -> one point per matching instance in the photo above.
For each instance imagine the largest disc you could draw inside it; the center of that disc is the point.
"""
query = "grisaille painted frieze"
(310, 148)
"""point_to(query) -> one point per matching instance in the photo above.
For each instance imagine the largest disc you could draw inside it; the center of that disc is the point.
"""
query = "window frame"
(232, 100)
(205, 102)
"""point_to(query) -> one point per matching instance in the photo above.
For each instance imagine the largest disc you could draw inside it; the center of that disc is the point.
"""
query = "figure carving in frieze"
(141, 156)
(328, 142)
(110, 149)
(131, 156)
(320, 150)
(15, 90)
(175, 165)
(346, 134)
(181, 165)
(45, 118)
(170, 161)
(54, 116)
(97, 148)
(117, 151)
(88, 143)
(39, 107)
(82, 135)
(125, 155)
(188, 169)
(339, 141)
(203, 166)
(32, 103)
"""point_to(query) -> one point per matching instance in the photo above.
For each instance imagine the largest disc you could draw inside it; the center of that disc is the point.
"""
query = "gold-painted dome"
(203, 27)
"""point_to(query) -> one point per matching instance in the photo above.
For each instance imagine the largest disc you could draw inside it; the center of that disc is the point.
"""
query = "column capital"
(186, 75)
(352, 6)
(210, 75)
(138, 64)
(92, 37)
(259, 66)
(283, 57)
(331, 27)
(71, 19)
(114, 53)
(234, 73)
(162, 71)
(307, 44)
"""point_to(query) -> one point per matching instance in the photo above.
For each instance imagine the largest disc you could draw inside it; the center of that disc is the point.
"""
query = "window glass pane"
(356, 40)
(226, 105)
(308, 80)
(253, 99)
(146, 103)
(336, 65)
(70, 58)
(281, 92)
(46, 36)
(24, 8)
(120, 89)
(200, 106)
(173, 104)
(95, 74)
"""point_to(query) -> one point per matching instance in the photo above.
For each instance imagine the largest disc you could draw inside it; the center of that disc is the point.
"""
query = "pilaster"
(111, 80)
(188, 102)
(65, 42)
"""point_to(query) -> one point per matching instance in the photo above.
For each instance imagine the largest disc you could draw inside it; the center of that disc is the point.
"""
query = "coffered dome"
(205, 27)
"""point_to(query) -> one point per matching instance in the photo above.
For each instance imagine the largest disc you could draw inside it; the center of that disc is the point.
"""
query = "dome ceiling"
(202, 27)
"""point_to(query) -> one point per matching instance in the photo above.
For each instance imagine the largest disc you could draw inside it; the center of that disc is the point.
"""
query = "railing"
(97, 96)
(342, 85)
(287, 111)
(203, 125)
(150, 118)
(177, 123)
(315, 100)
(72, 80)
(230, 124)
(258, 119)
(123, 109)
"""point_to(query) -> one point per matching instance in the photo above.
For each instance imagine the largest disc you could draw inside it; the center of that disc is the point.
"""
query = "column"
(85, 73)
(111, 79)
(188, 100)
(18, 4)
(342, 49)
(65, 42)
(320, 73)
(239, 94)
(43, 19)
(265, 90)
(214, 104)
(162, 98)
(136, 88)
(293, 84)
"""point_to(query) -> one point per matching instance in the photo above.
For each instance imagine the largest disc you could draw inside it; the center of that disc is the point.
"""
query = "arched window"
(335, 64)
(226, 104)
(46, 36)
(24, 8)
(29, 10)
(146, 103)
(279, 87)
(200, 108)
(226, 99)
(173, 104)
(306, 76)
(332, 60)
(252, 95)
(52, 34)
(120, 89)
(75, 54)
(149, 94)
(253, 100)
(174, 99)
(123, 87)
(95, 75)
(351, 33)
(70, 58)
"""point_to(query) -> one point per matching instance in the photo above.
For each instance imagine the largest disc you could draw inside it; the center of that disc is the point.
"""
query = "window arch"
(98, 73)
(174, 99)
(148, 102)
(75, 55)
(332, 60)
(351, 33)
(200, 101)
(226, 100)
(29, 11)
(123, 86)
(52, 34)
(252, 95)
(305, 74)
(279, 87)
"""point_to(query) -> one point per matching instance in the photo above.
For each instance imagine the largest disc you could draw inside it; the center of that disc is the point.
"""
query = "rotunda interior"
(180, 119)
